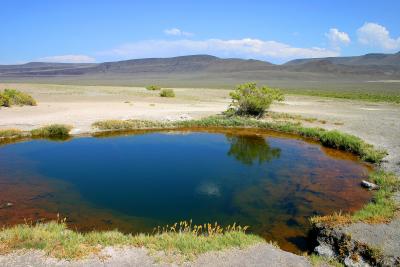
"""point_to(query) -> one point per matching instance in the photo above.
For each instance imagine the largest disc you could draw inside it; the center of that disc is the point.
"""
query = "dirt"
(80, 106)
(259, 255)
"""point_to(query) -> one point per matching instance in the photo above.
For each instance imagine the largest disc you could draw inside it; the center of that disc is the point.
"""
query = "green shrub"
(167, 93)
(52, 131)
(11, 97)
(4, 100)
(248, 99)
(153, 88)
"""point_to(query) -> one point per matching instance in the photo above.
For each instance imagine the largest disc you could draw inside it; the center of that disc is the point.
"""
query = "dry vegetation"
(52, 131)
(182, 239)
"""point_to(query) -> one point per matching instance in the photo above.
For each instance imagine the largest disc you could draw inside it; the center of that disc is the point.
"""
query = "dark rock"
(333, 242)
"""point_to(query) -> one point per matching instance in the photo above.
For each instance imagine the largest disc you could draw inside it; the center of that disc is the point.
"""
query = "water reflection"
(249, 149)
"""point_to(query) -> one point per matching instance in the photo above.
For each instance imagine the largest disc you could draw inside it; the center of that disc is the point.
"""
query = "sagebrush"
(10, 97)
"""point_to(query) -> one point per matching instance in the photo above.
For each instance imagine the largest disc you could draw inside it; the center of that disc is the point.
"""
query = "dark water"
(270, 182)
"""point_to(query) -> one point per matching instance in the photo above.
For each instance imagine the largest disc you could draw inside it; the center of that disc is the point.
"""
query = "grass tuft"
(167, 93)
(115, 125)
(153, 88)
(287, 116)
(320, 261)
(10, 133)
(353, 95)
(55, 239)
(52, 131)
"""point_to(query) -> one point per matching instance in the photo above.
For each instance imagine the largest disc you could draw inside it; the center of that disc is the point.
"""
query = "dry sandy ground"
(259, 255)
(80, 106)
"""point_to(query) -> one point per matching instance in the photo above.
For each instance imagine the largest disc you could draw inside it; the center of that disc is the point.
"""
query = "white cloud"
(337, 37)
(376, 35)
(68, 59)
(177, 32)
(244, 48)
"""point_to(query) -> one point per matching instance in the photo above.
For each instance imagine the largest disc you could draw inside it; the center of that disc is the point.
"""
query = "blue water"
(271, 183)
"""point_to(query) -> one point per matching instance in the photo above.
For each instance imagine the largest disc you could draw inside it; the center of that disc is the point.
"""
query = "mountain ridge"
(378, 59)
(199, 67)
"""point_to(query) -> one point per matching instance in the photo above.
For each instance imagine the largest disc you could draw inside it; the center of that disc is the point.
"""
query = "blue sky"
(276, 31)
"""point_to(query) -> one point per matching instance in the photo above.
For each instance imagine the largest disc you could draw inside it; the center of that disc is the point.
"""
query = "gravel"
(259, 255)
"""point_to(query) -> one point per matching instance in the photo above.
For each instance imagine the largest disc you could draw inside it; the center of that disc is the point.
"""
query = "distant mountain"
(331, 66)
(202, 70)
(195, 63)
(368, 59)
(39, 67)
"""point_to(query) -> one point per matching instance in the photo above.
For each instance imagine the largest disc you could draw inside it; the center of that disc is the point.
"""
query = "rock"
(369, 185)
(325, 251)
(185, 117)
(351, 263)
(6, 205)
(181, 117)
(334, 242)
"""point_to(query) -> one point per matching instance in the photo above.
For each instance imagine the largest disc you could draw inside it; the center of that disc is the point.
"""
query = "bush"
(153, 88)
(167, 93)
(52, 131)
(4, 100)
(248, 99)
(11, 97)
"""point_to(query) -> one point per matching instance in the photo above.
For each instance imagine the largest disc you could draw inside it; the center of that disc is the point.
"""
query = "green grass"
(10, 97)
(10, 133)
(52, 131)
(153, 88)
(167, 93)
(353, 95)
(183, 239)
(116, 125)
(382, 206)
(334, 139)
(320, 261)
(381, 209)
(288, 116)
